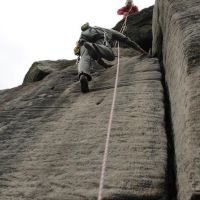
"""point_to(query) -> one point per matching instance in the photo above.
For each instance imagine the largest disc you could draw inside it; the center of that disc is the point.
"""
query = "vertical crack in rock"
(178, 22)
(171, 159)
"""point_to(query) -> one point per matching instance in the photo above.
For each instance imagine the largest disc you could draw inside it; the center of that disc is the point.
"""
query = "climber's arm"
(116, 35)
(122, 38)
(134, 45)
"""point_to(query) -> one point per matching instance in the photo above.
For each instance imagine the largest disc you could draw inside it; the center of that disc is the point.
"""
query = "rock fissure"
(174, 22)
(171, 158)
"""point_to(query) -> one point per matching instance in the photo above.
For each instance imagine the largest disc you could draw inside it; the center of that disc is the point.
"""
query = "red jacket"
(126, 11)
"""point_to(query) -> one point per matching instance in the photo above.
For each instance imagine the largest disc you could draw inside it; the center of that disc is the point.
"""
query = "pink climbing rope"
(123, 28)
(125, 21)
(123, 25)
(105, 157)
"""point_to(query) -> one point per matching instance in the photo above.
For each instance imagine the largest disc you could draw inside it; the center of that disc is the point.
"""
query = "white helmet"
(129, 1)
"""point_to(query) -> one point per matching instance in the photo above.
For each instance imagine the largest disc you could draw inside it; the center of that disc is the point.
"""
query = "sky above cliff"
(33, 30)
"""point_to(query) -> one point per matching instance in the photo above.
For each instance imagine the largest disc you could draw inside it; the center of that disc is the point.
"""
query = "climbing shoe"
(102, 63)
(91, 50)
(84, 84)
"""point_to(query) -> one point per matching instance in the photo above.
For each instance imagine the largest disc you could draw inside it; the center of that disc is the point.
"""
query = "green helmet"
(85, 26)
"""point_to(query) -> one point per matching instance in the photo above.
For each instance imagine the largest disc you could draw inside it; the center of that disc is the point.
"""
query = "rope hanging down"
(105, 156)
(123, 28)
(125, 21)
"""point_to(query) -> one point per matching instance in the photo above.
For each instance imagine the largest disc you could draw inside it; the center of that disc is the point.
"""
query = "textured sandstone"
(176, 33)
(52, 137)
(40, 69)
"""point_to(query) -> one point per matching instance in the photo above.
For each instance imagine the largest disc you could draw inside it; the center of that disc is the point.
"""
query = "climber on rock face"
(128, 9)
(93, 46)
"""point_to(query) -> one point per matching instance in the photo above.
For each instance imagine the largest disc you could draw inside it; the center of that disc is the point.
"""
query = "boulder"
(40, 69)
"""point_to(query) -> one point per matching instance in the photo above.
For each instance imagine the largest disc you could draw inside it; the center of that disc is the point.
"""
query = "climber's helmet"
(129, 2)
(85, 26)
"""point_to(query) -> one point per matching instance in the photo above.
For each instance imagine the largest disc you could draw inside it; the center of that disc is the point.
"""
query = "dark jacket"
(107, 37)
(95, 34)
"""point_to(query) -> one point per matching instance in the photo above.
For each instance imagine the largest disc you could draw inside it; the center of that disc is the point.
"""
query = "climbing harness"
(77, 60)
(105, 157)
